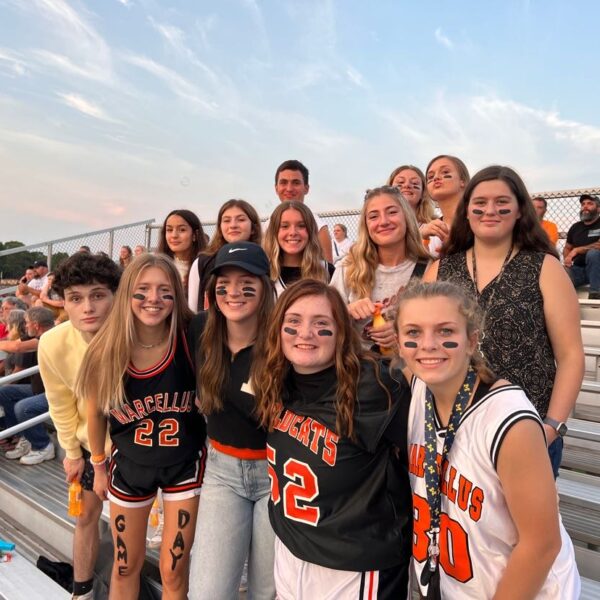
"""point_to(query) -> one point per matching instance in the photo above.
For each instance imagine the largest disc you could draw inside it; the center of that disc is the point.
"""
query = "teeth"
(305, 346)
(431, 361)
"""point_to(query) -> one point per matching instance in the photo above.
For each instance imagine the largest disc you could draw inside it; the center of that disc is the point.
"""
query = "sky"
(114, 111)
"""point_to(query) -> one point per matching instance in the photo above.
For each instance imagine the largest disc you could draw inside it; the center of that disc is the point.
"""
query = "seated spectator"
(26, 296)
(85, 249)
(541, 205)
(34, 287)
(341, 243)
(582, 251)
(50, 299)
(139, 249)
(22, 401)
(125, 256)
(16, 331)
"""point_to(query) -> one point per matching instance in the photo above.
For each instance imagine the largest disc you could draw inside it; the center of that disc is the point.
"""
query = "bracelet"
(98, 459)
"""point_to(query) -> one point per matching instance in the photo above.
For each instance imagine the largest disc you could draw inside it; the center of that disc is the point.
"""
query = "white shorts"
(297, 579)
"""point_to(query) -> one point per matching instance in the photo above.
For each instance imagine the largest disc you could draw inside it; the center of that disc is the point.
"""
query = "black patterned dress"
(515, 343)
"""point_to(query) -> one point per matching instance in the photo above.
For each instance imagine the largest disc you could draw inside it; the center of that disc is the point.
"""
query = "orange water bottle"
(154, 514)
(75, 501)
(379, 321)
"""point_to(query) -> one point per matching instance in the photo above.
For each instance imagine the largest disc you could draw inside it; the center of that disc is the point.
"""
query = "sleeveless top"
(515, 343)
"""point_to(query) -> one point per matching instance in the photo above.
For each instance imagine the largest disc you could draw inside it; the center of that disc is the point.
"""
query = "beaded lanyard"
(432, 472)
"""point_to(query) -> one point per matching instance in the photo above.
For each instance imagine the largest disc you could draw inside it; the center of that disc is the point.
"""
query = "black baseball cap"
(244, 255)
(40, 263)
(589, 197)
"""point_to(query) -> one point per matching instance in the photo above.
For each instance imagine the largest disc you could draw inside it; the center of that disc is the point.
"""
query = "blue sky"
(113, 111)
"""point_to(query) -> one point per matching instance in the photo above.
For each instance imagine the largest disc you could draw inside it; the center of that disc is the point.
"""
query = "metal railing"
(7, 380)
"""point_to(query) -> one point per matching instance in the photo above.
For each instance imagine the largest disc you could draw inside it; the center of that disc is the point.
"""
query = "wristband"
(98, 459)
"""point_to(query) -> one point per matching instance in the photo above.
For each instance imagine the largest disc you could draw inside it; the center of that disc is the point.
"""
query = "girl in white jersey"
(486, 524)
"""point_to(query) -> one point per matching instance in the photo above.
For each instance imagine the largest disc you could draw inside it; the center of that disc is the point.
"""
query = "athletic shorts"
(296, 579)
(131, 484)
(87, 478)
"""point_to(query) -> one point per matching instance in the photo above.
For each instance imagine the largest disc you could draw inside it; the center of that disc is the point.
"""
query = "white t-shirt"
(340, 249)
(389, 284)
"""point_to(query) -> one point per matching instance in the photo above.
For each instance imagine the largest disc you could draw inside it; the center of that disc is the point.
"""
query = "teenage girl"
(125, 256)
(486, 523)
(446, 177)
(233, 514)
(387, 254)
(182, 239)
(237, 221)
(292, 245)
(340, 499)
(137, 375)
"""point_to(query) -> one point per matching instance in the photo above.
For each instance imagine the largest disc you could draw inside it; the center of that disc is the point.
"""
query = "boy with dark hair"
(87, 284)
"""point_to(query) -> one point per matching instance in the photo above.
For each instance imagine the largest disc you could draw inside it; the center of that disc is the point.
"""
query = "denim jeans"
(9, 396)
(233, 522)
(555, 450)
(32, 407)
(590, 273)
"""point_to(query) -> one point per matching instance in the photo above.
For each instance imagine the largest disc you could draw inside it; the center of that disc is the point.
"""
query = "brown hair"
(218, 241)
(425, 210)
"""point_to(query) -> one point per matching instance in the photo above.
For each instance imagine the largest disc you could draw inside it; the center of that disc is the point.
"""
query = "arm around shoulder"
(431, 272)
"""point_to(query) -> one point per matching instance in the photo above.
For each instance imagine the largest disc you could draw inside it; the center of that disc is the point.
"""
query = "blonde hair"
(467, 308)
(105, 363)
(361, 261)
(313, 265)
(425, 210)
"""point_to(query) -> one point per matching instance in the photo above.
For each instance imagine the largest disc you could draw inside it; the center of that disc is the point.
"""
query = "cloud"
(355, 77)
(85, 106)
(12, 64)
(442, 39)
(125, 2)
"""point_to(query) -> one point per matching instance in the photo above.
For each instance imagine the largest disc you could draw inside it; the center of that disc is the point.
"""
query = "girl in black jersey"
(340, 497)
(292, 245)
(233, 519)
(138, 375)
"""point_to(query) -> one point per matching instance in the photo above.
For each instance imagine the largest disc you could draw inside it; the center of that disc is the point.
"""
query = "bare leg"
(178, 537)
(129, 536)
(86, 537)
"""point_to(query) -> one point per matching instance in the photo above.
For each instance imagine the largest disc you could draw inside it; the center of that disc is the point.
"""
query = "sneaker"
(21, 449)
(8, 444)
(156, 540)
(35, 457)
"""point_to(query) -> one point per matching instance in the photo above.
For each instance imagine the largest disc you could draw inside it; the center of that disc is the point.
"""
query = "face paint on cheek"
(325, 332)
(168, 297)
(249, 292)
(447, 176)
(290, 331)
(504, 211)
(139, 297)
(221, 291)
(410, 344)
(450, 344)
(477, 211)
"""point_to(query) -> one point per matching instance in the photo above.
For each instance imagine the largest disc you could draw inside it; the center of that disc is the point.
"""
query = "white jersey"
(477, 533)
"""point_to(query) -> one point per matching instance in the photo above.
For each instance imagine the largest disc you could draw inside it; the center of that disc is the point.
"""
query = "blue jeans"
(590, 273)
(9, 396)
(32, 407)
(555, 450)
(233, 522)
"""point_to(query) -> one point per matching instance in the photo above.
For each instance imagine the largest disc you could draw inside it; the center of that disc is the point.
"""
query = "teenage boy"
(87, 284)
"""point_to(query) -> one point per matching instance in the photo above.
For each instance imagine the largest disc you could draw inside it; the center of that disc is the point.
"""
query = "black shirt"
(335, 502)
(580, 234)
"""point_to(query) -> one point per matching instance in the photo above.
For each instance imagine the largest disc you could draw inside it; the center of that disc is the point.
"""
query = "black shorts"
(131, 484)
(87, 478)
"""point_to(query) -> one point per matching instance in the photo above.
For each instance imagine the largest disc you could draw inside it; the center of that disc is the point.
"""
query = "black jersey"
(159, 423)
(335, 502)
(234, 429)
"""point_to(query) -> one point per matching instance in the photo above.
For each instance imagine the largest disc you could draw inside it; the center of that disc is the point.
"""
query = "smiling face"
(443, 180)
(433, 340)
(493, 211)
(410, 185)
(178, 235)
(235, 225)
(385, 221)
(339, 234)
(152, 298)
(309, 334)
(238, 294)
(290, 186)
(88, 306)
(292, 235)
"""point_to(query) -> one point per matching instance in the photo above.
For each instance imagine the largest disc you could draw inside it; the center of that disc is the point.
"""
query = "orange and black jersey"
(341, 503)
(159, 424)
(233, 430)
